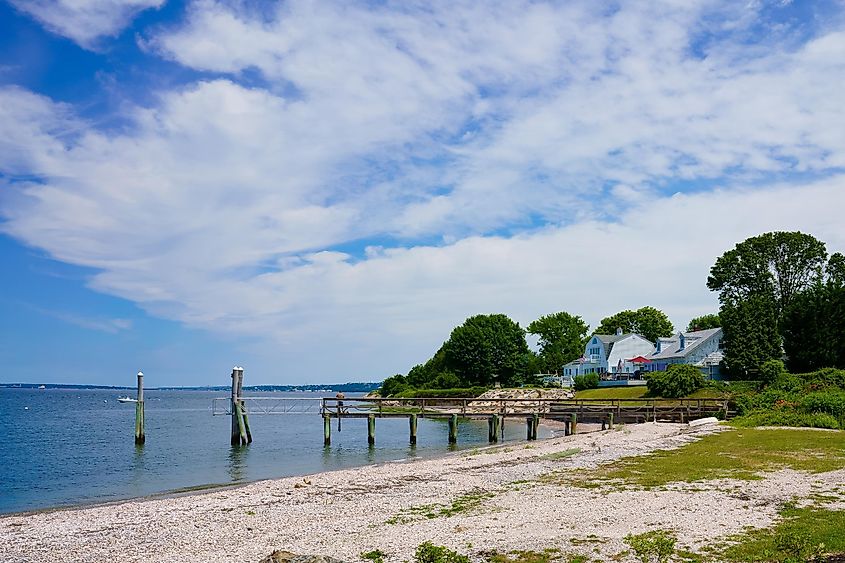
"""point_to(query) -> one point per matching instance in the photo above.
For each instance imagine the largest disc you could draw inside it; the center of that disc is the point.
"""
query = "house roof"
(671, 346)
(639, 360)
(610, 339)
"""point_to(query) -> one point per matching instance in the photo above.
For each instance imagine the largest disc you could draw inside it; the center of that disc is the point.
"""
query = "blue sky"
(321, 191)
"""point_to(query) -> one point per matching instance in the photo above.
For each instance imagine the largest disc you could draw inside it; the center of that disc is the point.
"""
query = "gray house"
(609, 353)
(701, 348)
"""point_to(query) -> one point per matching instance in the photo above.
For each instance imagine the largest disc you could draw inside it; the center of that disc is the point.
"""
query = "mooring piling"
(327, 430)
(412, 422)
(240, 437)
(140, 437)
(536, 423)
(453, 429)
(371, 429)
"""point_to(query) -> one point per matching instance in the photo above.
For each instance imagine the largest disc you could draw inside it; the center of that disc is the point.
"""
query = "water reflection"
(238, 456)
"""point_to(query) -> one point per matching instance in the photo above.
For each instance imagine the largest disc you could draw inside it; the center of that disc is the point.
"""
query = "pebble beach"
(389, 507)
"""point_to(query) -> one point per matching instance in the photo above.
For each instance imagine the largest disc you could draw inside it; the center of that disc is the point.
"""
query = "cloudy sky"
(320, 191)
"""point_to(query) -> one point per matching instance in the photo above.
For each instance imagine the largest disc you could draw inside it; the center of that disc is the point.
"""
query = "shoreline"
(552, 426)
(494, 498)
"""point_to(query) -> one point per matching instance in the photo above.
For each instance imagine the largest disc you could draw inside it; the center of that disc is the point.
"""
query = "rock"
(281, 556)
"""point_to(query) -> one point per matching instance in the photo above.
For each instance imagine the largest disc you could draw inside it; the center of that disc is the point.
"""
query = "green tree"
(780, 264)
(562, 338)
(750, 334)
(648, 322)
(488, 349)
(813, 327)
(704, 322)
(758, 281)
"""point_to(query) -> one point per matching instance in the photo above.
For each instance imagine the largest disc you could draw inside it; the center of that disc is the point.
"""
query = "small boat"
(42, 387)
(126, 400)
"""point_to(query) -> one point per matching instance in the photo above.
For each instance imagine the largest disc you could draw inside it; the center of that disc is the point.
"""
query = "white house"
(609, 353)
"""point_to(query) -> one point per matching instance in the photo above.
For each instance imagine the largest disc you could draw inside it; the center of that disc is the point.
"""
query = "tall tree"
(648, 322)
(562, 338)
(814, 325)
(704, 322)
(488, 349)
(758, 281)
(780, 264)
(750, 334)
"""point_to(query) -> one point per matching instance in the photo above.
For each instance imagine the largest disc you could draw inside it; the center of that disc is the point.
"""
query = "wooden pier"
(496, 412)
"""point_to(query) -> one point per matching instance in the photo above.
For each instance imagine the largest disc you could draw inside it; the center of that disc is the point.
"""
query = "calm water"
(74, 447)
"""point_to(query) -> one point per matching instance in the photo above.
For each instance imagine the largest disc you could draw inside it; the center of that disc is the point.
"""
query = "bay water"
(62, 447)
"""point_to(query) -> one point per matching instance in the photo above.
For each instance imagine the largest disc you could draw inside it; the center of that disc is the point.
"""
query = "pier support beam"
(140, 437)
(453, 429)
(493, 428)
(574, 423)
(327, 430)
(535, 419)
(412, 423)
(371, 429)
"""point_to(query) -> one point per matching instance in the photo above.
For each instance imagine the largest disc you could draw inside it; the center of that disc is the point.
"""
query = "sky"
(321, 191)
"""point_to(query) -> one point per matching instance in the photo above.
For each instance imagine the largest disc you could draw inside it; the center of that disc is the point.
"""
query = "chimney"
(619, 331)
(683, 340)
(657, 346)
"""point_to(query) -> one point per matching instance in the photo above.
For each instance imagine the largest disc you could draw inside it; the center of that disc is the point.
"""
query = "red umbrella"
(639, 360)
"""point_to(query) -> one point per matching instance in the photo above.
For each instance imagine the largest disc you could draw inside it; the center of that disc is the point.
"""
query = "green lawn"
(639, 392)
(739, 454)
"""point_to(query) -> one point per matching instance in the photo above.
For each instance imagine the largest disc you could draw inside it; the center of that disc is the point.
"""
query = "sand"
(344, 513)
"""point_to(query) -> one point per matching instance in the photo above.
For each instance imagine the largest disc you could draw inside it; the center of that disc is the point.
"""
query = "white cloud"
(85, 21)
(539, 144)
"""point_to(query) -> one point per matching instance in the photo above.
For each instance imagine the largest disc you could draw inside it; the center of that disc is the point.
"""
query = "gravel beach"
(344, 513)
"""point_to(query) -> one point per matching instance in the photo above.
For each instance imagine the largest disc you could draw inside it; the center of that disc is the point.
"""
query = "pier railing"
(268, 405)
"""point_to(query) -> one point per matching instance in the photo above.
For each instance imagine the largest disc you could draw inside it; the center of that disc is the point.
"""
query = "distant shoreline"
(313, 388)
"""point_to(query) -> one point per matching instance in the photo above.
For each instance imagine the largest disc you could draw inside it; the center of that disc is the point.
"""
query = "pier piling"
(535, 419)
(453, 429)
(371, 429)
(574, 423)
(140, 437)
(327, 430)
(239, 428)
(412, 422)
(493, 429)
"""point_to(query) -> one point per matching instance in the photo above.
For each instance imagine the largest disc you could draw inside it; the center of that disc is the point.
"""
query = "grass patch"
(804, 533)
(739, 454)
(376, 556)
(563, 454)
(462, 504)
(545, 556)
(633, 392)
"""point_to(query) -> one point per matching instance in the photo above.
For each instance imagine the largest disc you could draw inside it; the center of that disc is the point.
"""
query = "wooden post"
(371, 429)
(140, 438)
(567, 427)
(496, 427)
(412, 422)
(529, 422)
(535, 426)
(574, 423)
(610, 421)
(244, 413)
(453, 429)
(327, 430)
(239, 437)
(492, 434)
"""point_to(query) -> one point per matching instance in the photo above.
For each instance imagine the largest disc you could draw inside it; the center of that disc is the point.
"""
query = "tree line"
(780, 295)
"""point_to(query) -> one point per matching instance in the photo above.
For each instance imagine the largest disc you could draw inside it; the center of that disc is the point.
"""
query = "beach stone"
(281, 556)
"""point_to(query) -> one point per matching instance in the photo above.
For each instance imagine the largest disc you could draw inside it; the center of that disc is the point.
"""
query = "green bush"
(830, 402)
(679, 380)
(771, 370)
(586, 381)
(429, 553)
(824, 378)
(786, 418)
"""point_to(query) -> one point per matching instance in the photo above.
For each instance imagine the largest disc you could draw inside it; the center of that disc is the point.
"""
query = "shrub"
(771, 370)
(586, 381)
(678, 380)
(657, 545)
(824, 378)
(786, 418)
(830, 402)
(429, 553)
